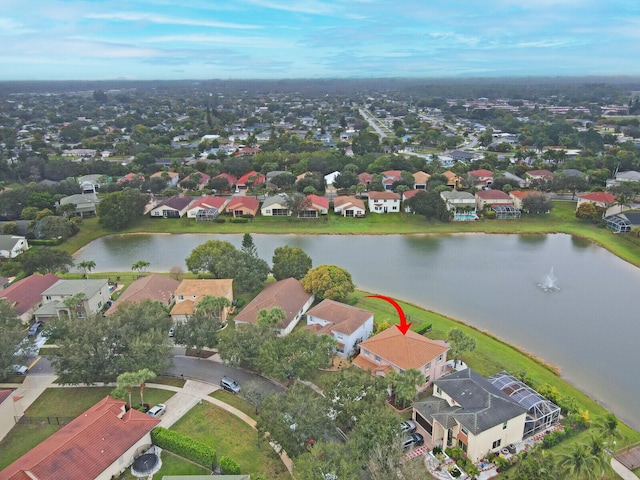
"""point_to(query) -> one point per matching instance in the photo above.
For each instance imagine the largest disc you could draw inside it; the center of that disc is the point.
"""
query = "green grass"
(232, 437)
(21, 439)
(171, 465)
(492, 355)
(561, 220)
(235, 401)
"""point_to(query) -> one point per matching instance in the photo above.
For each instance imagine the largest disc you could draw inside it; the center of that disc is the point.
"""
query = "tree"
(405, 385)
(140, 265)
(213, 306)
(240, 346)
(578, 462)
(254, 393)
(198, 332)
(587, 211)
(14, 345)
(293, 419)
(248, 246)
(209, 258)
(57, 227)
(379, 427)
(607, 427)
(459, 343)
(45, 260)
(290, 262)
(537, 203)
(328, 281)
(297, 203)
(9, 228)
(119, 210)
(66, 210)
(365, 142)
(326, 460)
(430, 204)
(598, 448)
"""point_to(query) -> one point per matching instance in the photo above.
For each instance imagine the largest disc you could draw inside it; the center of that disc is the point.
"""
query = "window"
(464, 430)
(377, 358)
(428, 366)
(427, 378)
(99, 304)
(439, 390)
(180, 297)
(439, 358)
(504, 426)
(496, 444)
(462, 446)
(48, 297)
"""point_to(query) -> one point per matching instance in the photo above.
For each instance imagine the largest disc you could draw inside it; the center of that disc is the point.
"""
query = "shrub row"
(239, 220)
(46, 241)
(184, 446)
(424, 329)
(229, 466)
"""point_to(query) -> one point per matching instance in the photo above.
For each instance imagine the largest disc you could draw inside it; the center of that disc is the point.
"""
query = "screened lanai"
(506, 212)
(617, 223)
(541, 413)
(208, 214)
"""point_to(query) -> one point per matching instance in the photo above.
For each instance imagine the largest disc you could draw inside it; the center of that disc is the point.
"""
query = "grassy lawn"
(232, 437)
(235, 401)
(172, 465)
(560, 220)
(59, 402)
(492, 355)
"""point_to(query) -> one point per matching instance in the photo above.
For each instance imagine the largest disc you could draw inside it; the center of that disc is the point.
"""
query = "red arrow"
(404, 326)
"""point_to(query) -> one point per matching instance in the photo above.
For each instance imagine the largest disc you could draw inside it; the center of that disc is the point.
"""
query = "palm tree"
(213, 306)
(86, 266)
(142, 376)
(607, 427)
(579, 463)
(598, 448)
(140, 265)
(127, 381)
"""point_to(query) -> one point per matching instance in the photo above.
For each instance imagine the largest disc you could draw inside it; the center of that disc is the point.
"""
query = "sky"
(278, 39)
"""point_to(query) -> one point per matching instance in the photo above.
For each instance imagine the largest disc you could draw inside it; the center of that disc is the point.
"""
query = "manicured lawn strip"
(493, 355)
(171, 465)
(560, 220)
(235, 401)
(21, 439)
(232, 437)
(168, 380)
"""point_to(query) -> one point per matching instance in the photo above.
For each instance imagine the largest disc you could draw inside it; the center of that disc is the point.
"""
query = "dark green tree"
(12, 336)
(248, 246)
(326, 460)
(119, 210)
(45, 260)
(459, 344)
(536, 204)
(430, 204)
(200, 331)
(290, 262)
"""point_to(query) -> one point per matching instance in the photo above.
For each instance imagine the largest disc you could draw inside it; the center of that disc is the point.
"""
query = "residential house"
(622, 222)
(231, 179)
(12, 245)
(349, 206)
(462, 204)
(601, 200)
(384, 202)
(287, 294)
(469, 412)
(406, 196)
(99, 444)
(391, 350)
(514, 180)
(330, 178)
(519, 195)
(480, 178)
(276, 206)
(132, 177)
(572, 172)
(489, 198)
(90, 184)
(86, 205)
(25, 295)
(249, 179)
(462, 156)
(538, 176)
(243, 207)
(346, 324)
(453, 180)
(201, 179)
(154, 287)
(622, 177)
(190, 292)
(317, 206)
(390, 177)
(172, 178)
(172, 207)
(207, 207)
(365, 179)
(91, 295)
(420, 180)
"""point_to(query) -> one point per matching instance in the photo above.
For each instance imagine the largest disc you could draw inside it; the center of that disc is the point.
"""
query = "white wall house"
(12, 245)
(94, 294)
(384, 202)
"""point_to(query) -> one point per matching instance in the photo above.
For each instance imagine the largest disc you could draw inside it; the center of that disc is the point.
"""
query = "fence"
(29, 420)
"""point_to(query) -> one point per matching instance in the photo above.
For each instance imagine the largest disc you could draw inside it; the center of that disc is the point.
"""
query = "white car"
(157, 410)
(20, 369)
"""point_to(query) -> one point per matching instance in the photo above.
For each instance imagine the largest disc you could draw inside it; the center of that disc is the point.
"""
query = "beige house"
(391, 350)
(469, 412)
(155, 287)
(349, 206)
(92, 295)
(190, 292)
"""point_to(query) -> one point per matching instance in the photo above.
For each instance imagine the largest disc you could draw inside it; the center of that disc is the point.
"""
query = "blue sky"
(242, 39)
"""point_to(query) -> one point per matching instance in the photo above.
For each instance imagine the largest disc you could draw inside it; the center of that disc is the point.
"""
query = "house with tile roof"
(384, 202)
(207, 207)
(94, 293)
(99, 444)
(406, 196)
(25, 295)
(346, 324)
(365, 179)
(389, 177)
(250, 178)
(480, 178)
(391, 350)
(453, 180)
(538, 175)
(349, 206)
(519, 195)
(12, 245)
(420, 180)
(317, 206)
(231, 179)
(489, 198)
(242, 207)
(155, 287)
(200, 178)
(602, 200)
(190, 292)
(172, 207)
(287, 294)
(172, 178)
(469, 412)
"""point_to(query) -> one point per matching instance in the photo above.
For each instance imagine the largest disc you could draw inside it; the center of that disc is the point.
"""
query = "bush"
(239, 220)
(437, 449)
(220, 220)
(229, 466)
(424, 328)
(46, 241)
(184, 446)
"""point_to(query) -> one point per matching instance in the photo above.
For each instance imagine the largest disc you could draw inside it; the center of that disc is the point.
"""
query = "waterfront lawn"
(492, 355)
(59, 402)
(232, 437)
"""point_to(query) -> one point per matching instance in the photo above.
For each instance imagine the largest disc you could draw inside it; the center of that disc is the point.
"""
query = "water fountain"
(550, 282)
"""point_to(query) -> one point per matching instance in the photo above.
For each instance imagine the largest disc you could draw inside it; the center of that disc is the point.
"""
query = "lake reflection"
(589, 329)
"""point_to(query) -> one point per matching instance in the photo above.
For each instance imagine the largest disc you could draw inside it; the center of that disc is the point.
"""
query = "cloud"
(236, 41)
(167, 20)
(10, 26)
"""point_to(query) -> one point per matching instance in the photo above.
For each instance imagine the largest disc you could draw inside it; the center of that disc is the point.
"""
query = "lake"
(590, 328)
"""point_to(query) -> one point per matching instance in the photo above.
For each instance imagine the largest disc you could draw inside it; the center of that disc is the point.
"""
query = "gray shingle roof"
(71, 287)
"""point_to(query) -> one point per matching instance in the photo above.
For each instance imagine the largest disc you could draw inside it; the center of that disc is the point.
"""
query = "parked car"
(172, 331)
(230, 385)
(408, 427)
(157, 410)
(20, 369)
(35, 328)
(413, 440)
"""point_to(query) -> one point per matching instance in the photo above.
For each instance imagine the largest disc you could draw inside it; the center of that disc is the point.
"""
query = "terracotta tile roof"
(481, 173)
(26, 293)
(492, 195)
(210, 201)
(170, 174)
(86, 446)
(404, 351)
(599, 197)
(421, 177)
(194, 290)
(397, 174)
(540, 173)
(287, 294)
(244, 179)
(249, 203)
(410, 193)
(347, 201)
(155, 287)
(524, 193)
(365, 178)
(384, 196)
(318, 201)
(366, 364)
(204, 178)
(344, 318)
(232, 179)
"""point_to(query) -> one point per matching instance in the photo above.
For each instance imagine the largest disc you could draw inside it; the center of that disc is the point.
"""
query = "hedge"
(184, 446)
(229, 466)
(239, 220)
(45, 241)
